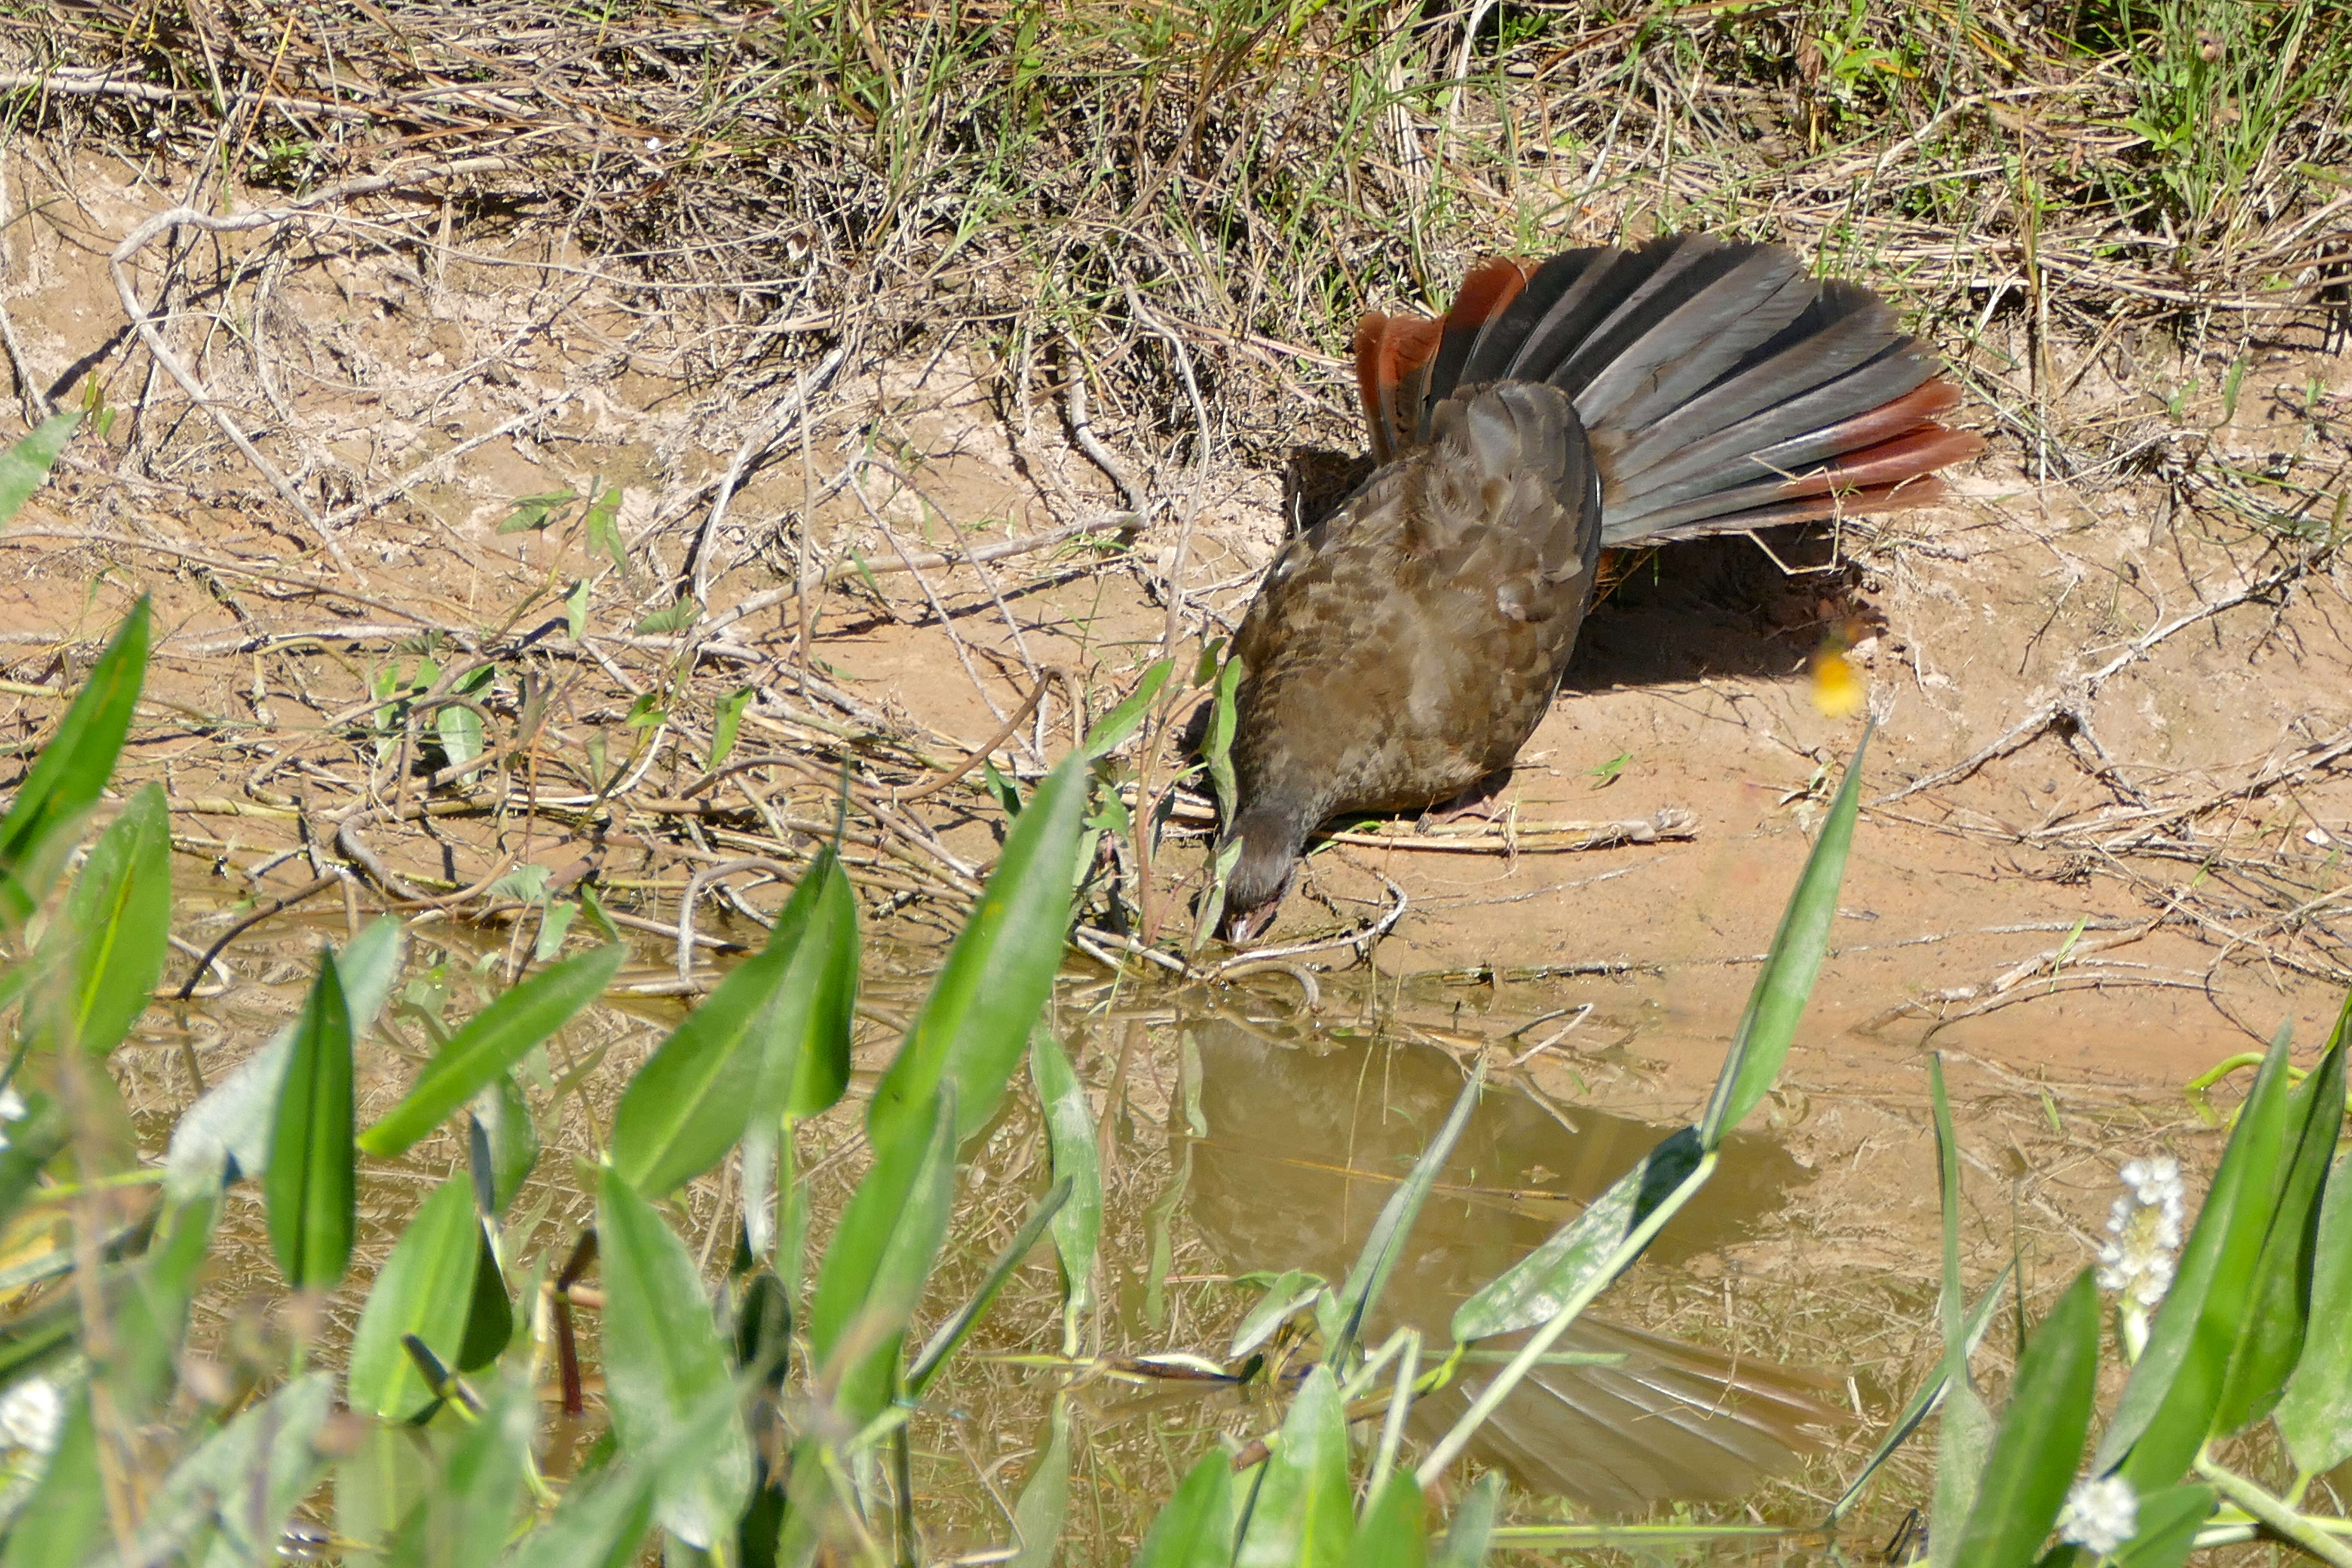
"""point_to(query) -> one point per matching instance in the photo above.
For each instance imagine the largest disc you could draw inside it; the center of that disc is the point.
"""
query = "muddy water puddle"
(1742, 1371)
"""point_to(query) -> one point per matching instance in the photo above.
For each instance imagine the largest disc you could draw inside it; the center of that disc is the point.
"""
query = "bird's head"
(1269, 839)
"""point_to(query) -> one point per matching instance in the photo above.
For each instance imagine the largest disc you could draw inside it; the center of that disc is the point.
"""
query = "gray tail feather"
(1722, 387)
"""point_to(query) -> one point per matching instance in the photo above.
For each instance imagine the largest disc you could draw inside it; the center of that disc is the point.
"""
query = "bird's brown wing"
(1405, 648)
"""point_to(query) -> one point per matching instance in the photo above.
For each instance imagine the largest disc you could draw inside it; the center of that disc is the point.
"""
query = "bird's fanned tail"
(1722, 388)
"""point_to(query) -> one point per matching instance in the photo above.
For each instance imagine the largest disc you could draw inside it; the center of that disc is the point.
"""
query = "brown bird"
(1406, 647)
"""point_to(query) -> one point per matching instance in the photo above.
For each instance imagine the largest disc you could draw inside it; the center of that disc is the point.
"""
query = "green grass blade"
(2276, 1314)
(1583, 1255)
(974, 1026)
(873, 1273)
(1076, 1159)
(72, 768)
(2166, 1408)
(1193, 1529)
(1304, 1513)
(425, 1288)
(490, 1043)
(2314, 1416)
(227, 1132)
(1938, 1394)
(950, 1334)
(1392, 1533)
(1760, 1042)
(664, 1365)
(1045, 1502)
(27, 463)
(1384, 1243)
(117, 925)
(1965, 1428)
(2040, 1437)
(692, 1098)
(311, 1185)
(1473, 1526)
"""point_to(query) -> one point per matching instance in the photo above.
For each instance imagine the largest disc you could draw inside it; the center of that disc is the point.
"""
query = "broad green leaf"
(2272, 1325)
(1077, 1158)
(1303, 1516)
(224, 1136)
(950, 1334)
(1217, 744)
(873, 1273)
(603, 533)
(150, 1318)
(2166, 1408)
(470, 1508)
(2315, 1415)
(460, 729)
(491, 1042)
(663, 1364)
(1196, 1527)
(676, 617)
(502, 1142)
(692, 1098)
(1384, 1243)
(598, 1524)
(1044, 1500)
(804, 1034)
(1473, 1526)
(489, 1321)
(1586, 1253)
(1760, 1042)
(974, 1026)
(1120, 721)
(2167, 1527)
(33, 1140)
(533, 511)
(1392, 1533)
(27, 463)
(425, 1288)
(117, 925)
(2040, 1437)
(311, 1185)
(377, 1486)
(71, 771)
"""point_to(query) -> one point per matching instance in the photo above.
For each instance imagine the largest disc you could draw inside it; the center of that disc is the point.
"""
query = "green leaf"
(873, 1273)
(804, 1034)
(1384, 1243)
(1291, 1289)
(1760, 1044)
(2166, 1408)
(598, 1524)
(575, 610)
(725, 722)
(1587, 1252)
(460, 729)
(1217, 744)
(469, 1510)
(71, 771)
(311, 1185)
(65, 1517)
(1964, 1428)
(533, 511)
(950, 1334)
(1120, 721)
(425, 1288)
(1392, 1533)
(1302, 1518)
(491, 1042)
(2040, 1437)
(2272, 1326)
(244, 1480)
(2167, 1527)
(1195, 1529)
(603, 532)
(26, 464)
(676, 617)
(150, 1320)
(976, 1023)
(2315, 1415)
(226, 1134)
(664, 1363)
(490, 1318)
(1044, 1500)
(1473, 1526)
(503, 1143)
(117, 925)
(1077, 1158)
(692, 1098)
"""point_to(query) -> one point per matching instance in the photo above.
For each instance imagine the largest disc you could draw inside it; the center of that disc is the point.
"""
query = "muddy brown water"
(1771, 1331)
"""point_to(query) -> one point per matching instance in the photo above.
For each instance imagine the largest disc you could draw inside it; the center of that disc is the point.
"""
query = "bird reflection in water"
(1304, 1144)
